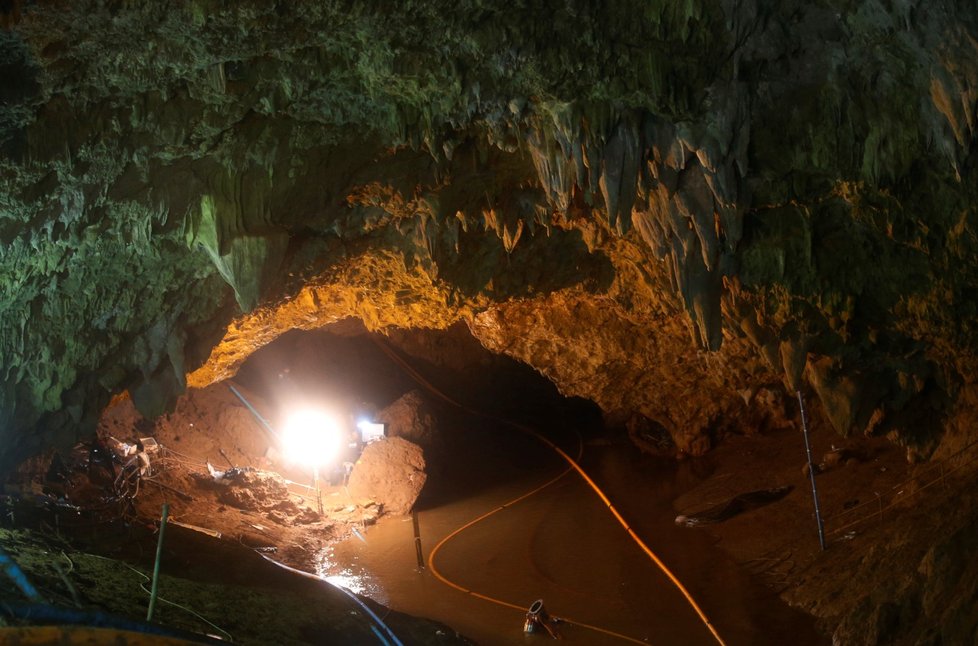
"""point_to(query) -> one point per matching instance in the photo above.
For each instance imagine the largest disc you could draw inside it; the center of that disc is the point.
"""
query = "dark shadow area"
(18, 92)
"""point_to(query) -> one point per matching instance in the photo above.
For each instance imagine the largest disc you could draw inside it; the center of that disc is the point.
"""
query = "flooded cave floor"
(256, 602)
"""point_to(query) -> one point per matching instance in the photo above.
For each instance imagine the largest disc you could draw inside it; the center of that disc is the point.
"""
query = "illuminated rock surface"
(667, 208)
(391, 472)
(411, 417)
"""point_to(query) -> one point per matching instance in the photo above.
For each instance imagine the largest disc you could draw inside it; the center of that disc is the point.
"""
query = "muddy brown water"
(563, 546)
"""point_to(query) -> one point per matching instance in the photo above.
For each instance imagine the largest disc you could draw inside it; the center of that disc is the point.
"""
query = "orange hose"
(576, 467)
(638, 541)
(499, 602)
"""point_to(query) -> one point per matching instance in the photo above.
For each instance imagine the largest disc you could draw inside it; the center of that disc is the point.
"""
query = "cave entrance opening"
(226, 473)
(228, 490)
(411, 385)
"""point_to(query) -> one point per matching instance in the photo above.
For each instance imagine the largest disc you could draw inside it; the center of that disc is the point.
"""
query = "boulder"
(390, 472)
(411, 418)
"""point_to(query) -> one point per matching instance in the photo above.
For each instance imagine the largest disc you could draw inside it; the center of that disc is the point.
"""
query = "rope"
(587, 479)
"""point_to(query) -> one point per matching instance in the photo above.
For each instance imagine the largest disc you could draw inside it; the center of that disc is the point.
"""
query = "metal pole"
(319, 491)
(156, 566)
(811, 471)
(261, 420)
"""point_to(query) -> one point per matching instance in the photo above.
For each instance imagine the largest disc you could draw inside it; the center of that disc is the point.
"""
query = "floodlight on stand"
(311, 438)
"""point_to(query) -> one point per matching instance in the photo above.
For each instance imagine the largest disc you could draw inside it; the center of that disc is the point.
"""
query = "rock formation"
(390, 472)
(683, 210)
(660, 206)
(411, 418)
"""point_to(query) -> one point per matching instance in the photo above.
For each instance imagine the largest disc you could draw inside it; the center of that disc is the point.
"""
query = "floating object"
(359, 535)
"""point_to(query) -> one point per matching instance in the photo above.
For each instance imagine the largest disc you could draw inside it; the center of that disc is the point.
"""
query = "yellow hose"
(573, 466)
(438, 575)
(638, 541)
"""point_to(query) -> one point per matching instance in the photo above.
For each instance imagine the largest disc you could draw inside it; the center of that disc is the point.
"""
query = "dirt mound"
(390, 472)
(211, 467)
(250, 489)
(207, 424)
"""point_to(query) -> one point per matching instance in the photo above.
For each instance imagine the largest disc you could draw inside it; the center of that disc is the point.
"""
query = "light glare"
(311, 437)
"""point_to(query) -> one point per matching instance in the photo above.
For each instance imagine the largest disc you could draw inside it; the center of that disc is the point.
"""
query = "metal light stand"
(319, 491)
(811, 471)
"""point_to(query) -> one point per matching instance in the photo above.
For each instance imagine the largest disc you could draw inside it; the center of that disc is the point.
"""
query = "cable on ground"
(373, 615)
(573, 466)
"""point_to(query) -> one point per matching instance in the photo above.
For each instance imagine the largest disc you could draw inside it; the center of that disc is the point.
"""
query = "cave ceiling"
(665, 207)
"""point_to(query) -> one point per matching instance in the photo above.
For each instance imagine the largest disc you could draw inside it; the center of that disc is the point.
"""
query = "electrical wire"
(365, 607)
(573, 465)
(177, 605)
(167, 601)
(500, 602)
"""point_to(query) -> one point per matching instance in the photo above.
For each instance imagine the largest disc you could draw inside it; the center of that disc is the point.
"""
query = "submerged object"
(736, 505)
(538, 620)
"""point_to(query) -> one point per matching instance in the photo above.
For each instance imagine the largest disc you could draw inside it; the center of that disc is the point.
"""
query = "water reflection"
(351, 576)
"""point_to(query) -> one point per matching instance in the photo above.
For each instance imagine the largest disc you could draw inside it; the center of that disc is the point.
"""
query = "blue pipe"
(14, 572)
(254, 412)
(383, 640)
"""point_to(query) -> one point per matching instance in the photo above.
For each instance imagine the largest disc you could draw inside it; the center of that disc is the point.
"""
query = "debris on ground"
(206, 462)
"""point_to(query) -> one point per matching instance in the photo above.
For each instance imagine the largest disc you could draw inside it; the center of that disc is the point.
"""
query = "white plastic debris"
(215, 473)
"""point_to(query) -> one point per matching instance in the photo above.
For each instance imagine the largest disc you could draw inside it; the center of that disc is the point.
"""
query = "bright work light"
(311, 437)
(370, 431)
